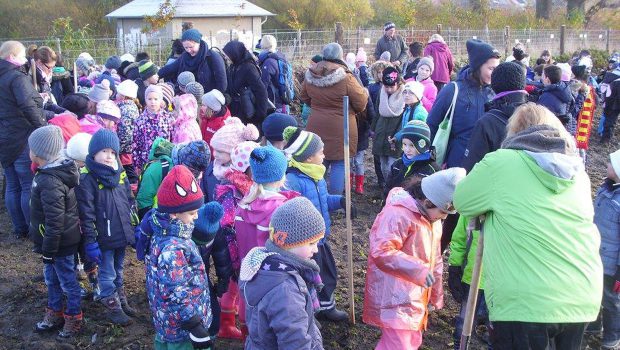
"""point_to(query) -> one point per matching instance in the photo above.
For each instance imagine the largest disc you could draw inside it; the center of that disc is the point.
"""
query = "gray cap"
(100, 92)
(196, 89)
(46, 142)
(185, 78)
(439, 188)
(332, 51)
(296, 223)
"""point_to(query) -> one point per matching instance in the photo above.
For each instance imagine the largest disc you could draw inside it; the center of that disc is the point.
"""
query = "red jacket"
(208, 126)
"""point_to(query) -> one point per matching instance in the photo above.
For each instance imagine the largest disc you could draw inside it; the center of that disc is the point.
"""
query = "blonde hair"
(436, 37)
(531, 114)
(11, 47)
(258, 190)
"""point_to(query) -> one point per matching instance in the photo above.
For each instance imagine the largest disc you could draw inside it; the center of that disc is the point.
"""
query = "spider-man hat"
(179, 192)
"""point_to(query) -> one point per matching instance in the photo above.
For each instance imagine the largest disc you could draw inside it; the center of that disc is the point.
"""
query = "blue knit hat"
(268, 165)
(113, 62)
(479, 52)
(191, 34)
(274, 125)
(103, 139)
(208, 223)
(195, 155)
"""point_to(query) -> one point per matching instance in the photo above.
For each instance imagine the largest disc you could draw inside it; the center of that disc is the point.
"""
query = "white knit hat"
(213, 99)
(128, 89)
(128, 57)
(269, 43)
(439, 188)
(615, 161)
(77, 146)
(416, 87)
(109, 110)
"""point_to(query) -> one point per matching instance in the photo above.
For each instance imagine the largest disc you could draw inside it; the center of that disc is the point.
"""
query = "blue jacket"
(469, 108)
(557, 98)
(607, 219)
(316, 192)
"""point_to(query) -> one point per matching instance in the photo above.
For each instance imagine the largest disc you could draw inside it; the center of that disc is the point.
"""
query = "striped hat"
(168, 93)
(301, 144)
(418, 133)
(147, 69)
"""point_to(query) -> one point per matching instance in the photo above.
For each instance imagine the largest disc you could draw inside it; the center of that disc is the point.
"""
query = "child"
(404, 259)
(583, 109)
(305, 175)
(54, 229)
(126, 97)
(273, 127)
(360, 63)
(107, 117)
(280, 281)
(213, 113)
(418, 157)
(77, 148)
(98, 93)
(185, 126)
(425, 69)
(611, 108)
(225, 139)
(104, 197)
(168, 93)
(153, 122)
(556, 94)
(176, 279)
(148, 77)
(183, 79)
(606, 214)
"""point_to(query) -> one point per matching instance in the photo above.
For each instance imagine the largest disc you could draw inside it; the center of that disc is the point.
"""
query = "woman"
(546, 58)
(20, 114)
(543, 272)
(323, 89)
(207, 65)
(442, 57)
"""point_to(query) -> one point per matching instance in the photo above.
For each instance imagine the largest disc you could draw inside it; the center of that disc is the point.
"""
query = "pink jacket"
(185, 127)
(402, 242)
(442, 57)
(89, 124)
(430, 94)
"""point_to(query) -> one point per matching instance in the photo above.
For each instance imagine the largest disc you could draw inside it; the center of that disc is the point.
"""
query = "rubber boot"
(72, 327)
(116, 314)
(228, 328)
(359, 184)
(51, 321)
(122, 297)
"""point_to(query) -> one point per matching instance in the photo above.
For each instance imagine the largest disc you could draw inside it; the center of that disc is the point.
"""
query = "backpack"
(165, 168)
(286, 86)
(216, 51)
(605, 90)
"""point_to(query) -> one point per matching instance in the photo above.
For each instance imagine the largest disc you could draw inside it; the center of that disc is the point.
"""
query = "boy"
(556, 95)
(273, 127)
(606, 216)
(176, 281)
(54, 229)
(279, 281)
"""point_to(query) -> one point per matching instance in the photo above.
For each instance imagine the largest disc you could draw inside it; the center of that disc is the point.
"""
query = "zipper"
(107, 223)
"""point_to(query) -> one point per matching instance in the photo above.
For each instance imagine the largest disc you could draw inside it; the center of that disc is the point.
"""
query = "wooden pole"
(339, 37)
(562, 39)
(472, 298)
(347, 187)
(75, 78)
(33, 72)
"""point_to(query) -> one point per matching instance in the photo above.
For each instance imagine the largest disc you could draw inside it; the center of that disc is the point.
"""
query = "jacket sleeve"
(174, 275)
(53, 206)
(458, 244)
(358, 96)
(437, 288)
(218, 67)
(28, 101)
(545, 100)
(450, 60)
(402, 58)
(292, 183)
(438, 112)
(221, 257)
(364, 76)
(474, 194)
(259, 90)
(477, 147)
(288, 317)
(378, 50)
(303, 95)
(429, 96)
(151, 179)
(169, 71)
(85, 195)
(333, 202)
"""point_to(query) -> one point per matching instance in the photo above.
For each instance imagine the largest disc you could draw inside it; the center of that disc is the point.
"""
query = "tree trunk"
(543, 9)
(575, 5)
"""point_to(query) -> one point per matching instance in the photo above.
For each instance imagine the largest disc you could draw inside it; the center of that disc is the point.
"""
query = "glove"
(208, 222)
(343, 204)
(198, 334)
(222, 287)
(617, 278)
(47, 259)
(455, 275)
(430, 279)
(93, 253)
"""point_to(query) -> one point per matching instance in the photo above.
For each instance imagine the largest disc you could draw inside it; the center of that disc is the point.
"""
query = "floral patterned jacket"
(148, 127)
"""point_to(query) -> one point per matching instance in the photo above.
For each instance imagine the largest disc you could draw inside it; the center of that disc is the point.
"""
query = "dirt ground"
(23, 293)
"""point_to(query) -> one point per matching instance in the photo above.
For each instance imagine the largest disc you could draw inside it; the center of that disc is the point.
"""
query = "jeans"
(378, 172)
(357, 163)
(386, 165)
(336, 176)
(537, 336)
(60, 280)
(18, 177)
(482, 313)
(611, 312)
(111, 271)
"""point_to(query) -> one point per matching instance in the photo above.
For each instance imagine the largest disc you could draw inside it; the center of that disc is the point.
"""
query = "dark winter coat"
(396, 46)
(217, 248)
(141, 91)
(21, 111)
(62, 85)
(363, 125)
(105, 212)
(399, 172)
(558, 99)
(470, 104)
(209, 69)
(270, 75)
(54, 222)
(612, 102)
(490, 129)
(606, 218)
(411, 69)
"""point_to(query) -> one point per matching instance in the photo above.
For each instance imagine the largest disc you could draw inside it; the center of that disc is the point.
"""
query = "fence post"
(58, 46)
(159, 51)
(438, 28)
(297, 48)
(506, 41)
(230, 35)
(607, 35)
(357, 43)
(339, 33)
(562, 39)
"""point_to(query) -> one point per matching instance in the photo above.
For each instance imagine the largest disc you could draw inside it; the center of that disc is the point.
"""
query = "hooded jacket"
(270, 75)
(148, 127)
(129, 115)
(558, 99)
(54, 221)
(541, 260)
(442, 57)
(153, 174)
(208, 126)
(185, 127)
(402, 245)
(606, 218)
(61, 84)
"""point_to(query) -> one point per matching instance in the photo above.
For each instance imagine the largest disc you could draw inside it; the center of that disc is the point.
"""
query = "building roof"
(191, 8)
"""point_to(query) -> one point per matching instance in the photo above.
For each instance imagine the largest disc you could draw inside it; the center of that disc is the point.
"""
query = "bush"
(599, 58)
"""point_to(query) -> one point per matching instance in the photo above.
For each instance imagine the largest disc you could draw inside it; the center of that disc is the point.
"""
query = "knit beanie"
(85, 85)
(233, 133)
(179, 192)
(479, 52)
(147, 69)
(195, 89)
(332, 51)
(127, 88)
(77, 146)
(103, 139)
(195, 155)
(268, 43)
(317, 58)
(296, 223)
(507, 76)
(268, 165)
(113, 62)
(615, 161)
(416, 87)
(109, 110)
(361, 55)
(386, 56)
(301, 144)
(418, 133)
(154, 89)
(167, 92)
(274, 125)
(207, 225)
(46, 142)
(439, 188)
(388, 26)
(390, 76)
(185, 78)
(566, 71)
(350, 59)
(127, 58)
(83, 64)
(100, 92)
(192, 35)
(427, 61)
(213, 99)
(76, 103)
(240, 155)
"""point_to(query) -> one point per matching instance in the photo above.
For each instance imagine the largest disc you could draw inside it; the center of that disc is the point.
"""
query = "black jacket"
(217, 249)
(54, 222)
(21, 112)
(364, 119)
(399, 172)
(490, 130)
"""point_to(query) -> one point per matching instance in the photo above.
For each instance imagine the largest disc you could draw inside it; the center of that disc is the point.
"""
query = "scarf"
(193, 63)
(505, 93)
(104, 174)
(220, 170)
(307, 269)
(393, 105)
(419, 158)
(315, 171)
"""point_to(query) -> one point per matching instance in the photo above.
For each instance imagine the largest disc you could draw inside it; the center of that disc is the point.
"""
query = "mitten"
(93, 253)
(455, 275)
(208, 222)
(198, 334)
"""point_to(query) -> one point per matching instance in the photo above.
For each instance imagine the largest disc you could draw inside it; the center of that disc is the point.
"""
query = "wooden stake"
(33, 72)
(347, 188)
(472, 298)
(75, 78)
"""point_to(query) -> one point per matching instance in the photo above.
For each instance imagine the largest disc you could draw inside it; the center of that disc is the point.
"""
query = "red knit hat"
(179, 192)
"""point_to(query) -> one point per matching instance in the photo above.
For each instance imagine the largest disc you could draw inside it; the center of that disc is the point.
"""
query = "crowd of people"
(199, 163)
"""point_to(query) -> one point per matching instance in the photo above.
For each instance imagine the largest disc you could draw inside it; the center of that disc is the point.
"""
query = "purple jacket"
(442, 57)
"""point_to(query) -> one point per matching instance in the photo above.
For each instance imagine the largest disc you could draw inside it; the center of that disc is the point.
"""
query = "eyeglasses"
(407, 92)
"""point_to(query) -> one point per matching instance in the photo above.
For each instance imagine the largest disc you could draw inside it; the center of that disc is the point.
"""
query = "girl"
(107, 117)
(127, 102)
(405, 259)
(185, 127)
(213, 113)
(425, 69)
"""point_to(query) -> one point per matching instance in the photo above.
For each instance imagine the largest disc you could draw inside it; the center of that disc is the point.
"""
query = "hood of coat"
(6, 66)
(325, 74)
(438, 46)
(161, 149)
(187, 109)
(261, 208)
(560, 90)
(398, 197)
(263, 56)
(237, 52)
(250, 267)
(59, 73)
(65, 170)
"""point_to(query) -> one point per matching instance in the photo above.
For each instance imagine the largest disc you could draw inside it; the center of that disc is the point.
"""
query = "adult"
(443, 59)
(245, 85)
(392, 43)
(269, 60)
(543, 272)
(546, 58)
(323, 88)
(20, 114)
(206, 64)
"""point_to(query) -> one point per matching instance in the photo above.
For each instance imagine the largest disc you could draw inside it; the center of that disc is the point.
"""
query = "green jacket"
(541, 261)
(153, 173)
(459, 247)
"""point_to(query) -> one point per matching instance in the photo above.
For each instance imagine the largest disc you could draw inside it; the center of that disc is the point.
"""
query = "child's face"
(611, 173)
(153, 79)
(545, 80)
(222, 157)
(107, 156)
(80, 164)
(409, 149)
(187, 217)
(409, 97)
(206, 111)
(435, 214)
(306, 251)
(423, 72)
(109, 124)
(316, 158)
(153, 102)
(391, 89)
(38, 161)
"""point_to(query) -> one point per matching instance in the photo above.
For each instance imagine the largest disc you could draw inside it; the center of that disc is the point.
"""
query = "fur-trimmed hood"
(325, 74)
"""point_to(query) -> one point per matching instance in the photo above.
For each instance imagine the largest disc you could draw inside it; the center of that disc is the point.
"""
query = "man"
(392, 43)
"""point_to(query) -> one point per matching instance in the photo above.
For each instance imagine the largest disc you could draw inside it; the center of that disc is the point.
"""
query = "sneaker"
(51, 321)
